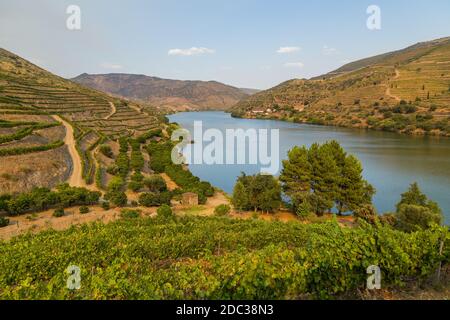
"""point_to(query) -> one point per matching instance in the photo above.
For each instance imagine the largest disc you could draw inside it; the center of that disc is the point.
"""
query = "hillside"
(172, 94)
(403, 91)
(38, 113)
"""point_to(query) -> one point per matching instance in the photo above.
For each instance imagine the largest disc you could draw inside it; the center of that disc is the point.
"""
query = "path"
(76, 177)
(388, 88)
(113, 111)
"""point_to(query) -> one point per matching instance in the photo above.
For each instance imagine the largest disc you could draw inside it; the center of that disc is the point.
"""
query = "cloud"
(114, 66)
(194, 51)
(328, 51)
(266, 68)
(288, 49)
(294, 65)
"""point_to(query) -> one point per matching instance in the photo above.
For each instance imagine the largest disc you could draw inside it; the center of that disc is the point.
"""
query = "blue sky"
(240, 38)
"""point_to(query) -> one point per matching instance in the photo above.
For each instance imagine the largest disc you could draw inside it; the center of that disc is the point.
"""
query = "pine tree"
(296, 176)
(325, 177)
(240, 197)
(415, 211)
(353, 190)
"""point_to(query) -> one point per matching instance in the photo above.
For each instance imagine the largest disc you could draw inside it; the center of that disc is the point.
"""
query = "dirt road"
(113, 111)
(388, 88)
(76, 177)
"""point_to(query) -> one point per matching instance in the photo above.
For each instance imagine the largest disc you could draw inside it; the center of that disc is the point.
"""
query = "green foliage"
(84, 209)
(135, 186)
(151, 199)
(40, 199)
(117, 198)
(105, 205)
(58, 213)
(164, 212)
(24, 150)
(130, 214)
(222, 210)
(155, 183)
(416, 212)
(323, 177)
(258, 192)
(4, 222)
(214, 258)
(106, 150)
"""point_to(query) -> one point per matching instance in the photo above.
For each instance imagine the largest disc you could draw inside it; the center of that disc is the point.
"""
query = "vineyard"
(215, 258)
(29, 97)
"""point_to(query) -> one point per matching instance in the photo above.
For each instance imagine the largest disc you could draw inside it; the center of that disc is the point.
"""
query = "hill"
(404, 91)
(42, 115)
(172, 94)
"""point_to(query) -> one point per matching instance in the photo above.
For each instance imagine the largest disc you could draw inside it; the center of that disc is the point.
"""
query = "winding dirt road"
(388, 88)
(113, 111)
(76, 177)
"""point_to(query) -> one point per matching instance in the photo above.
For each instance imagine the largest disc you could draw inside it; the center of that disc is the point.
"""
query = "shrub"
(222, 210)
(416, 212)
(153, 199)
(164, 212)
(4, 222)
(117, 198)
(155, 183)
(130, 214)
(105, 205)
(135, 186)
(106, 150)
(58, 213)
(84, 209)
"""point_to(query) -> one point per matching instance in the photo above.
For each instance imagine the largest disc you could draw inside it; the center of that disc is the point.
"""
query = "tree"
(117, 198)
(258, 192)
(240, 197)
(106, 150)
(222, 210)
(416, 212)
(325, 175)
(296, 176)
(353, 191)
(155, 183)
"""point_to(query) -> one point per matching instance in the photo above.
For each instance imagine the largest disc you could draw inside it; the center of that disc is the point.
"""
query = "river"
(391, 161)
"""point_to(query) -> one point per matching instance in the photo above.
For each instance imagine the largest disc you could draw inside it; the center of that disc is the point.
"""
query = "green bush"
(155, 183)
(40, 199)
(84, 209)
(105, 205)
(152, 199)
(117, 198)
(135, 186)
(4, 222)
(130, 214)
(106, 150)
(222, 210)
(58, 213)
(164, 212)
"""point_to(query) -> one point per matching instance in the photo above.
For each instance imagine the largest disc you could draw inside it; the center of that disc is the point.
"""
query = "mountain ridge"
(405, 91)
(169, 93)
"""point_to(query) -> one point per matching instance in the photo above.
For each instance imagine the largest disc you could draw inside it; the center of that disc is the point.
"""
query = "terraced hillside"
(404, 91)
(32, 148)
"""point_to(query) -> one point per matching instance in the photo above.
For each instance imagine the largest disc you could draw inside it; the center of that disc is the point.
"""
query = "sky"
(244, 43)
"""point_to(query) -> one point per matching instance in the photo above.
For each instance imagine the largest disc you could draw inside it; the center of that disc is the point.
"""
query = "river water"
(391, 161)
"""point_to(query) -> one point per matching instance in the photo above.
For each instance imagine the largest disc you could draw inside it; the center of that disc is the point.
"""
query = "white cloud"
(328, 51)
(113, 66)
(294, 65)
(288, 49)
(266, 68)
(194, 51)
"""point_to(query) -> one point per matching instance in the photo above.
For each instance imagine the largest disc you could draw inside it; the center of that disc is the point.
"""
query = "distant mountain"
(173, 94)
(249, 91)
(403, 91)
